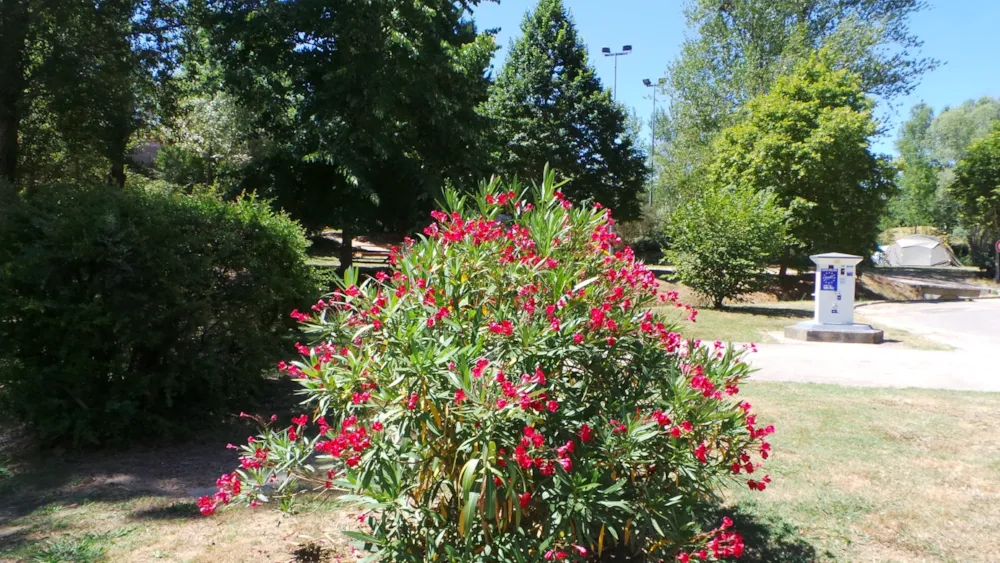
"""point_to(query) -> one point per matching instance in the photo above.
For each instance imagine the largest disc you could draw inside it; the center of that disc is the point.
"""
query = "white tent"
(920, 250)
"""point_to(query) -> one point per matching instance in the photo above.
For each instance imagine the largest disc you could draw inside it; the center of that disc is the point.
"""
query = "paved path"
(973, 328)
(969, 325)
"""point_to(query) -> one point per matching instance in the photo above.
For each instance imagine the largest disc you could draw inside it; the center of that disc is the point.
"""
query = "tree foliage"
(739, 48)
(722, 241)
(548, 106)
(929, 147)
(743, 46)
(362, 110)
(79, 81)
(917, 201)
(808, 141)
(977, 191)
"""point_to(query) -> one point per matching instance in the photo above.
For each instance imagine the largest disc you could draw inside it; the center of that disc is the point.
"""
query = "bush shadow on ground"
(766, 540)
(777, 312)
(36, 480)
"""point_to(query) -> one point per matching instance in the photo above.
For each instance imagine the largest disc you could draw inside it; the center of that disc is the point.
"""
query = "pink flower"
(586, 434)
(459, 397)
(501, 403)
(206, 506)
(523, 499)
(481, 364)
(727, 522)
(619, 428)
(411, 403)
(377, 426)
(505, 327)
(701, 452)
(566, 463)
(578, 338)
(300, 420)
(566, 449)
(553, 406)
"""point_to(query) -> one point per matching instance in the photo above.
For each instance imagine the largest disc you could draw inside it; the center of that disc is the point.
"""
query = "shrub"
(506, 395)
(723, 240)
(130, 315)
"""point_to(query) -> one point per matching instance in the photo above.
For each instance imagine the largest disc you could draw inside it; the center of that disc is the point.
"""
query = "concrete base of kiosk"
(854, 333)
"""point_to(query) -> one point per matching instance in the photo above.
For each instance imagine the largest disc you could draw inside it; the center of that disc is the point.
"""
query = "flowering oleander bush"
(506, 395)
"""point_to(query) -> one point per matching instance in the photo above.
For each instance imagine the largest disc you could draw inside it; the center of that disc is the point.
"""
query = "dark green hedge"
(130, 315)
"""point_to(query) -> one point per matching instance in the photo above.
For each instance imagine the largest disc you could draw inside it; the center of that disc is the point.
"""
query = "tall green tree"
(78, 80)
(548, 106)
(916, 202)
(807, 139)
(364, 109)
(956, 128)
(977, 191)
(929, 148)
(739, 47)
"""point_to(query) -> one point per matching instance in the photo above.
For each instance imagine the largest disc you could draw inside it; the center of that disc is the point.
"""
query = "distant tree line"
(347, 114)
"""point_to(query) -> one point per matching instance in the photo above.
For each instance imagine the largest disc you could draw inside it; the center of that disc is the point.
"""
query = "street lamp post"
(652, 129)
(626, 49)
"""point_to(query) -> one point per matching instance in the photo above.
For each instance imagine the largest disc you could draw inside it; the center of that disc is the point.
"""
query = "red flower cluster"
(229, 486)
(759, 485)
(350, 443)
(724, 544)
(505, 327)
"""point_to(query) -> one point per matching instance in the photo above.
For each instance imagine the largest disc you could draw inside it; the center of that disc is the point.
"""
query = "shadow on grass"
(37, 481)
(175, 511)
(766, 540)
(779, 312)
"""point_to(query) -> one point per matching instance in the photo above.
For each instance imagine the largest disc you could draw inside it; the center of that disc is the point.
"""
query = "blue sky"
(961, 33)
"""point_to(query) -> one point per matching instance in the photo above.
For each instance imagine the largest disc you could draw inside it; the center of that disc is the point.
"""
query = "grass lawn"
(753, 323)
(876, 475)
(858, 475)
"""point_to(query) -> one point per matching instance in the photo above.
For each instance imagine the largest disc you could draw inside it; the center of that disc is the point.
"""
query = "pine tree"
(548, 106)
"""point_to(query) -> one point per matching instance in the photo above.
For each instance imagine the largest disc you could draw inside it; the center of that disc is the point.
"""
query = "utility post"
(652, 129)
(626, 49)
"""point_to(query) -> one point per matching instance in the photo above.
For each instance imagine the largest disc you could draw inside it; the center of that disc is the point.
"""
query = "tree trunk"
(117, 174)
(783, 269)
(13, 34)
(346, 249)
(8, 148)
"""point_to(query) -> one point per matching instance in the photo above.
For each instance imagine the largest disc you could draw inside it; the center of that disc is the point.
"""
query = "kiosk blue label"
(828, 280)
